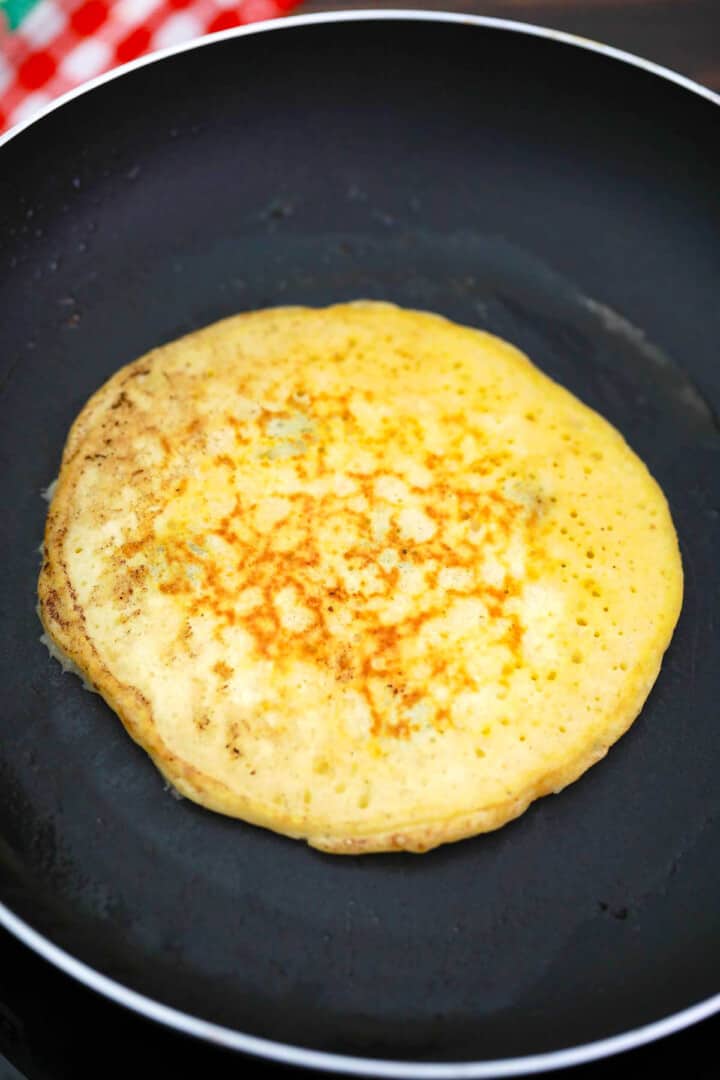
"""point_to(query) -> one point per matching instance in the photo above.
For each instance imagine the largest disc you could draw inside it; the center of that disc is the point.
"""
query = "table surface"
(681, 34)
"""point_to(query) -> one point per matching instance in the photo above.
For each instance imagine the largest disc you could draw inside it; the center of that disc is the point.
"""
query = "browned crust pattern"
(64, 620)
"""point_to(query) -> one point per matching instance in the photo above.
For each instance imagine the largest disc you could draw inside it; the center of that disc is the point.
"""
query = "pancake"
(358, 574)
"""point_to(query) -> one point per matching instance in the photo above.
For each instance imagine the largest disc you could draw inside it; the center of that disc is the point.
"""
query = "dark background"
(682, 34)
(53, 1029)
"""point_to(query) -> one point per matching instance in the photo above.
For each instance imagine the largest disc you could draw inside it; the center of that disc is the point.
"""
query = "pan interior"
(558, 198)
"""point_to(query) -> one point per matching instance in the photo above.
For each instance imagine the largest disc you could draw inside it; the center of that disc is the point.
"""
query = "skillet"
(557, 193)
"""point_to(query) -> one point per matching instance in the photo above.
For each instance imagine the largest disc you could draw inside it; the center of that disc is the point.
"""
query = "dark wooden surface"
(682, 34)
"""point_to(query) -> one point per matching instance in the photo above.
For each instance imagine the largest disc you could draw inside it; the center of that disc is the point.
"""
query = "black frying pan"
(561, 195)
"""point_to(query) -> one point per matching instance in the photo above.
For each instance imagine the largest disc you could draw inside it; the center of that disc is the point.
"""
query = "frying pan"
(558, 193)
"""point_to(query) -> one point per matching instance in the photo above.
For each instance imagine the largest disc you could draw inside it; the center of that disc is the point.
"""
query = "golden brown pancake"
(358, 575)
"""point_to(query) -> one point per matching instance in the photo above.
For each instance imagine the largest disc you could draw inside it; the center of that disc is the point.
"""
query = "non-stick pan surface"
(556, 195)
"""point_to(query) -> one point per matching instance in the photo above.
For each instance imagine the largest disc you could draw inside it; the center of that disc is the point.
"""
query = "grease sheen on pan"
(358, 574)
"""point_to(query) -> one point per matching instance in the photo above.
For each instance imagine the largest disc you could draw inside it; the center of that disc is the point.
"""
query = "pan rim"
(367, 15)
(229, 1038)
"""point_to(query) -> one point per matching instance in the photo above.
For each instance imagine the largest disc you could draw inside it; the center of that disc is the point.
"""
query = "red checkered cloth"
(62, 43)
